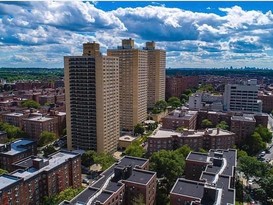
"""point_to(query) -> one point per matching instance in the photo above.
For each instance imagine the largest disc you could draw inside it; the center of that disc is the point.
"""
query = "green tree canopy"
(265, 133)
(49, 150)
(135, 150)
(46, 138)
(139, 200)
(30, 104)
(206, 124)
(174, 102)
(223, 125)
(105, 160)
(159, 106)
(2, 171)
(254, 144)
(12, 131)
(139, 129)
(184, 150)
(87, 158)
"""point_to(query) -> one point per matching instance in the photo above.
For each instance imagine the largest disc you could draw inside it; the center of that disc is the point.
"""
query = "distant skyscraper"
(156, 73)
(242, 97)
(92, 100)
(133, 72)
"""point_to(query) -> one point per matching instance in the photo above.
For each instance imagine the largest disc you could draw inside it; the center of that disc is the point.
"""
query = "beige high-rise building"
(156, 73)
(92, 100)
(133, 73)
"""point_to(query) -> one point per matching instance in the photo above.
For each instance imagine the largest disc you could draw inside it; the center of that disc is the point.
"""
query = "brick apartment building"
(209, 179)
(214, 138)
(15, 151)
(176, 85)
(213, 116)
(39, 177)
(180, 118)
(120, 185)
(243, 126)
(14, 118)
(34, 126)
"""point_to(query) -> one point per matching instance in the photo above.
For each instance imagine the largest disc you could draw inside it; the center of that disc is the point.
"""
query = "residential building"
(14, 118)
(92, 100)
(39, 177)
(47, 99)
(35, 125)
(133, 75)
(213, 138)
(176, 85)
(204, 100)
(15, 151)
(180, 119)
(121, 184)
(156, 74)
(267, 101)
(242, 97)
(243, 126)
(210, 179)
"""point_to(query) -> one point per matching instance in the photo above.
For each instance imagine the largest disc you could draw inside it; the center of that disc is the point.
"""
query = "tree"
(184, 98)
(135, 150)
(255, 144)
(206, 123)
(67, 194)
(46, 138)
(174, 102)
(264, 133)
(12, 131)
(223, 125)
(184, 150)
(30, 104)
(49, 150)
(87, 158)
(2, 171)
(139, 200)
(105, 160)
(159, 107)
(139, 129)
(168, 164)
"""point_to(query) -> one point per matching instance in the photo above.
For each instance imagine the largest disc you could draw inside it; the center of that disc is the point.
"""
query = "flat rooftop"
(164, 133)
(14, 114)
(84, 196)
(243, 118)
(182, 114)
(140, 176)
(16, 146)
(197, 156)
(6, 180)
(189, 188)
(39, 119)
(127, 138)
(54, 161)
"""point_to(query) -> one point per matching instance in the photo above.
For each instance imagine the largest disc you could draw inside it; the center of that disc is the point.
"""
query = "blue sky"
(194, 34)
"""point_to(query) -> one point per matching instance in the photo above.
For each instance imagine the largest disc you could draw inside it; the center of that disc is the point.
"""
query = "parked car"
(85, 181)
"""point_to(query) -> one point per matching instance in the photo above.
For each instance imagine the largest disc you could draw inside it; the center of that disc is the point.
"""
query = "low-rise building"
(213, 138)
(243, 126)
(34, 126)
(121, 184)
(209, 179)
(125, 141)
(203, 100)
(14, 118)
(180, 118)
(15, 151)
(39, 177)
(267, 101)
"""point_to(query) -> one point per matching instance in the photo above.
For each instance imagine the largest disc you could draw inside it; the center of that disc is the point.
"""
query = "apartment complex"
(121, 184)
(213, 138)
(133, 75)
(39, 177)
(92, 100)
(267, 100)
(209, 179)
(180, 119)
(176, 85)
(15, 151)
(35, 125)
(14, 118)
(242, 97)
(156, 73)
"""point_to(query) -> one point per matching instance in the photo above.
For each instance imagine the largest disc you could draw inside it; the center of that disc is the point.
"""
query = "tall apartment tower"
(92, 100)
(156, 74)
(242, 97)
(133, 73)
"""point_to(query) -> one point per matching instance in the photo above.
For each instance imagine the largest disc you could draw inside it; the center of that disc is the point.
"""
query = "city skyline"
(194, 34)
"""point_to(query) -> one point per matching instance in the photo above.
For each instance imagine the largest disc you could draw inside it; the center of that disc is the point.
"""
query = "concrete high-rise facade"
(92, 100)
(242, 97)
(156, 73)
(133, 73)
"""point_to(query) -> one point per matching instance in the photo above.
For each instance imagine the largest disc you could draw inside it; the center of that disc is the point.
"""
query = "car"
(85, 181)
(267, 151)
(250, 182)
